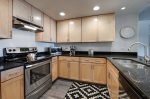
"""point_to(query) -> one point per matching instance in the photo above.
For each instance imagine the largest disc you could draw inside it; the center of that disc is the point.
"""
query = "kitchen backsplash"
(22, 39)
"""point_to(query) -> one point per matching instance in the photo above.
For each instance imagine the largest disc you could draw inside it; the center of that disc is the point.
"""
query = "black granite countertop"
(137, 75)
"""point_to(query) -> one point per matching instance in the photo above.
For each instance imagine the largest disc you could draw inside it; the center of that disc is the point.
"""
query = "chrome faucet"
(146, 58)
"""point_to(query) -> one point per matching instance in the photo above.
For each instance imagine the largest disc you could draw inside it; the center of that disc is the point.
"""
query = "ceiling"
(80, 8)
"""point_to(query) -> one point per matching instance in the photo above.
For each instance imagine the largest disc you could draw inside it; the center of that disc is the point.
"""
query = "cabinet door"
(74, 70)
(53, 30)
(106, 27)
(22, 10)
(63, 69)
(13, 88)
(75, 30)
(89, 29)
(86, 72)
(37, 17)
(99, 73)
(62, 31)
(54, 70)
(47, 27)
(5, 18)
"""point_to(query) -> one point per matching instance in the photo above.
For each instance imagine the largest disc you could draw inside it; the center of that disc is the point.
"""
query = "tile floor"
(75, 89)
(58, 90)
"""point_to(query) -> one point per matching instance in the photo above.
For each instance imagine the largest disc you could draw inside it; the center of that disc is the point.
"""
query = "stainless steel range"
(37, 73)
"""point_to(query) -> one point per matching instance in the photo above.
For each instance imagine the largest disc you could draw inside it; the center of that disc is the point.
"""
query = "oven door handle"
(38, 64)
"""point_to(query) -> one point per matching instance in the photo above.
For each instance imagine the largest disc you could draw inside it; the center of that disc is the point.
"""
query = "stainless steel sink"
(129, 63)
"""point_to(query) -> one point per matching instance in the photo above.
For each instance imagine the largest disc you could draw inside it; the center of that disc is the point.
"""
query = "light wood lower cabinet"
(74, 70)
(112, 81)
(54, 68)
(99, 73)
(69, 67)
(86, 72)
(63, 69)
(13, 88)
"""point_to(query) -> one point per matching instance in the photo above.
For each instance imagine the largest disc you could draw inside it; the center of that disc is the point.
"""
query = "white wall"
(144, 35)
(119, 45)
(22, 39)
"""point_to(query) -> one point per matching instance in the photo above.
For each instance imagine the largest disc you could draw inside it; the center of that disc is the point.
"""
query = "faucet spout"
(146, 58)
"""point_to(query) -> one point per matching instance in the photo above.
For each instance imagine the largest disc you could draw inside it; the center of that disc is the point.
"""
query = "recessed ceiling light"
(62, 14)
(123, 8)
(96, 8)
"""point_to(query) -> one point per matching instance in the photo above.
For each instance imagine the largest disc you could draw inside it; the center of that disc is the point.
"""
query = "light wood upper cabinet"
(13, 89)
(5, 18)
(75, 30)
(106, 27)
(45, 36)
(62, 31)
(54, 68)
(90, 29)
(37, 17)
(22, 10)
(53, 30)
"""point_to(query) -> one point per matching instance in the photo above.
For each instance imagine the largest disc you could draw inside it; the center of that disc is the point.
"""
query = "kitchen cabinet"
(22, 10)
(92, 70)
(53, 30)
(62, 31)
(75, 30)
(26, 12)
(112, 81)
(99, 73)
(90, 29)
(106, 27)
(45, 35)
(63, 69)
(86, 72)
(5, 18)
(54, 68)
(74, 70)
(37, 17)
(69, 30)
(12, 84)
(69, 67)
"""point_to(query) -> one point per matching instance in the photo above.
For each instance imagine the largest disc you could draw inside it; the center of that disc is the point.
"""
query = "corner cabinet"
(5, 18)
(112, 81)
(12, 84)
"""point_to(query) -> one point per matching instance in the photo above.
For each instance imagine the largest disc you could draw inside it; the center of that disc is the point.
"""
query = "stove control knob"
(9, 50)
(14, 50)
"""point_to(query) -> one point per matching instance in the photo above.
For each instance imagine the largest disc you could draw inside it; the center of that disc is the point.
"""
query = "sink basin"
(129, 63)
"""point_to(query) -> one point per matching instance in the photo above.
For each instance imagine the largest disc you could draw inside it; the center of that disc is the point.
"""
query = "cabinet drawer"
(63, 58)
(85, 60)
(111, 68)
(73, 59)
(94, 60)
(54, 59)
(12, 73)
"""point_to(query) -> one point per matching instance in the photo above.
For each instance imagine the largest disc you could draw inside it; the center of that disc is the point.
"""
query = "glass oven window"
(38, 73)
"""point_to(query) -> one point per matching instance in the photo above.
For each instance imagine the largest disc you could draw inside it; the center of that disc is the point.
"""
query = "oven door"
(36, 75)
